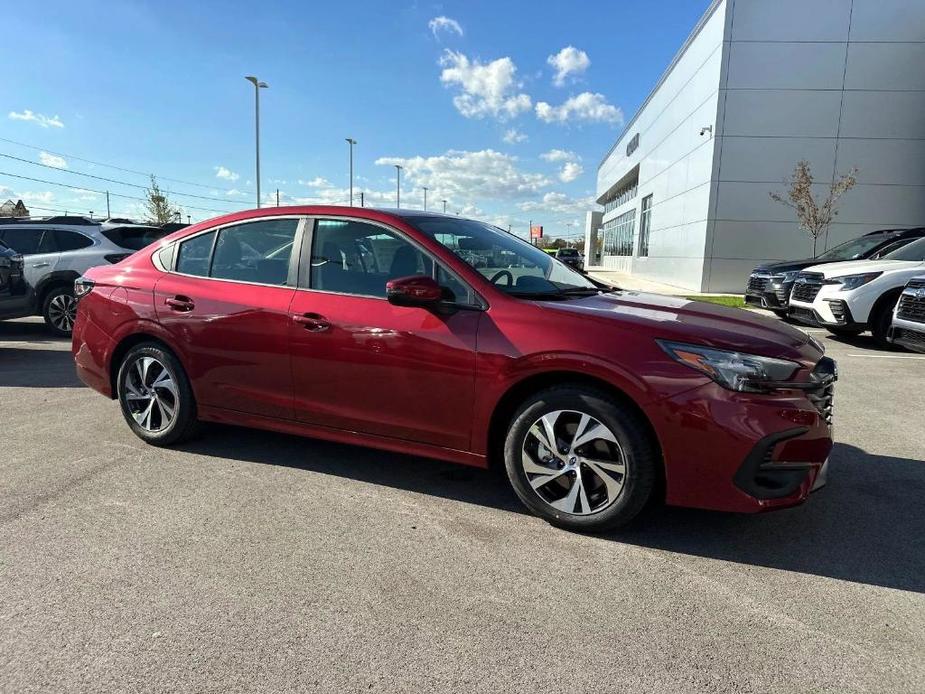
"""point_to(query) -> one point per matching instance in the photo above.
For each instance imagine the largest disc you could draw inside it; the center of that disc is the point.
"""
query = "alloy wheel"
(150, 393)
(573, 462)
(62, 310)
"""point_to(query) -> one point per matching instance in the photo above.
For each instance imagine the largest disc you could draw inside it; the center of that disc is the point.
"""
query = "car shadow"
(865, 342)
(37, 368)
(865, 526)
(29, 330)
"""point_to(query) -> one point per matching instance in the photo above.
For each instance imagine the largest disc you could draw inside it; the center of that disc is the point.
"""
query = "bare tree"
(157, 207)
(815, 216)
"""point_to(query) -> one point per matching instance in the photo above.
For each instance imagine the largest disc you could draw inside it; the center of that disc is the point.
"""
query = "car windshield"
(853, 249)
(511, 264)
(913, 251)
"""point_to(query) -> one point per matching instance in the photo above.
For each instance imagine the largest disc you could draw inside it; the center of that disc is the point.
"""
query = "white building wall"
(843, 87)
(676, 163)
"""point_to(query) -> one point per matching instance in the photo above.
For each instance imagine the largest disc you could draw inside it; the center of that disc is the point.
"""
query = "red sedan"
(449, 338)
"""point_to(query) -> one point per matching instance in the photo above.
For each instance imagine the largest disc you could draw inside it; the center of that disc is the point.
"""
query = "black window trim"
(294, 257)
(304, 275)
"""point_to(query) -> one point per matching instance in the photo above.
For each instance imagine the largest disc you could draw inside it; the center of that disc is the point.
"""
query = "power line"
(101, 192)
(117, 168)
(113, 180)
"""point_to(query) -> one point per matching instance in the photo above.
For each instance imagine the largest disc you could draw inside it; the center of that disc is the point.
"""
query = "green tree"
(157, 206)
(814, 216)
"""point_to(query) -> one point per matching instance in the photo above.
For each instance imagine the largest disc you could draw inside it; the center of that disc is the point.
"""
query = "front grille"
(825, 374)
(807, 287)
(912, 307)
(913, 338)
(757, 284)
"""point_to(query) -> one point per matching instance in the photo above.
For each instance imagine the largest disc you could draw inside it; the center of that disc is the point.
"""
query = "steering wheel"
(503, 273)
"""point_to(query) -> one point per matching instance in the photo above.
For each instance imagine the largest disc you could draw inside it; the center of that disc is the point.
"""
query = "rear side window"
(134, 238)
(255, 252)
(193, 256)
(70, 240)
(25, 241)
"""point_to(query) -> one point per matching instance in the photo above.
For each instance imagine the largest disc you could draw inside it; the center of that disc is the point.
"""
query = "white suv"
(58, 250)
(851, 297)
(908, 327)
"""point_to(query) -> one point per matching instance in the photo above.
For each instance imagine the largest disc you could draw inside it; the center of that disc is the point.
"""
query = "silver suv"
(58, 250)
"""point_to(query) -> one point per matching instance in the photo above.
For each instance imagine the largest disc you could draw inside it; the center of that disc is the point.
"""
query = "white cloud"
(446, 24)
(488, 89)
(38, 118)
(555, 155)
(568, 62)
(570, 172)
(52, 160)
(45, 196)
(559, 203)
(226, 174)
(316, 182)
(587, 106)
(467, 176)
(233, 192)
(512, 136)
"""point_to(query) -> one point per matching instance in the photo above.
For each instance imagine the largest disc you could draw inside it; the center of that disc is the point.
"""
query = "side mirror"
(416, 290)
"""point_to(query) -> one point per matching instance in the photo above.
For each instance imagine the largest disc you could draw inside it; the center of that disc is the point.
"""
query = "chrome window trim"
(296, 241)
(482, 304)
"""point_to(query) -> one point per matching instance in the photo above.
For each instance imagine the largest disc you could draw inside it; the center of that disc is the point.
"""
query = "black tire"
(881, 318)
(844, 332)
(184, 423)
(638, 452)
(59, 309)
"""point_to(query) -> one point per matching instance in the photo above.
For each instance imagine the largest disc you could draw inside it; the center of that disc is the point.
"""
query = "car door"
(362, 364)
(225, 303)
(37, 246)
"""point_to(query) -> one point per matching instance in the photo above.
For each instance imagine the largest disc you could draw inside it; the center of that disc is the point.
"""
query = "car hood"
(786, 266)
(857, 267)
(697, 322)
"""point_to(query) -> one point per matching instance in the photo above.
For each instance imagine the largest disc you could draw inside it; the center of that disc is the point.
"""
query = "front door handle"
(180, 303)
(40, 264)
(313, 322)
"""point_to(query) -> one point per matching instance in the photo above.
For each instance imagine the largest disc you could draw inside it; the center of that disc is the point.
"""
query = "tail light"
(82, 287)
(116, 257)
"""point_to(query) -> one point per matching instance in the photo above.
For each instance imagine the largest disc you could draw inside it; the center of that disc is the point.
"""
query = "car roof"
(898, 233)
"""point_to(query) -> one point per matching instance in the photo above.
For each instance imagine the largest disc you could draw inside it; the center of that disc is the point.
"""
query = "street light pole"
(351, 142)
(398, 168)
(425, 198)
(444, 206)
(258, 85)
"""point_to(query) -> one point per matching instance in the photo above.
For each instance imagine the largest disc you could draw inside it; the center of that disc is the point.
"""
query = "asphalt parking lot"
(261, 562)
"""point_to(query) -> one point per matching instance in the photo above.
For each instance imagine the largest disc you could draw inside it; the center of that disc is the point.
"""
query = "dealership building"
(757, 87)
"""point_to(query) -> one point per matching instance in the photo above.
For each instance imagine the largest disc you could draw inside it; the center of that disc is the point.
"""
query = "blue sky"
(503, 109)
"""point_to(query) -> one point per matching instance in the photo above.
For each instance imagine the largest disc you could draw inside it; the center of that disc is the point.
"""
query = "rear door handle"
(313, 322)
(180, 303)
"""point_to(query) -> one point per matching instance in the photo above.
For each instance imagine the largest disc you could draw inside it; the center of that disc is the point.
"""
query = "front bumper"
(825, 311)
(908, 334)
(742, 452)
(768, 291)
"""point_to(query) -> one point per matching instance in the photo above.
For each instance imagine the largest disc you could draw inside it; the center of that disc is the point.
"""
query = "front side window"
(351, 257)
(512, 264)
(256, 252)
(24, 241)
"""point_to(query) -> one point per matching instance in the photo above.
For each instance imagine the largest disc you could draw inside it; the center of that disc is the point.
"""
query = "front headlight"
(788, 276)
(747, 373)
(849, 282)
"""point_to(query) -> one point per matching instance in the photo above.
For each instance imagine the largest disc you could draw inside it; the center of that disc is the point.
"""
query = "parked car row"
(870, 284)
(50, 253)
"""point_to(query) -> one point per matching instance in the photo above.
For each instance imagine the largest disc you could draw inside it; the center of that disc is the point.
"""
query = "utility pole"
(351, 142)
(398, 168)
(108, 215)
(188, 219)
(362, 202)
(258, 85)
(444, 206)
(91, 215)
(277, 197)
(425, 198)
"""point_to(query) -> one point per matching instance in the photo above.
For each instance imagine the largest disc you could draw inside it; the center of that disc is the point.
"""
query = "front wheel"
(580, 460)
(155, 395)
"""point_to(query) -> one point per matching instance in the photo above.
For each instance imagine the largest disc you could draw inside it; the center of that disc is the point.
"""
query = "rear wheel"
(60, 309)
(155, 395)
(579, 459)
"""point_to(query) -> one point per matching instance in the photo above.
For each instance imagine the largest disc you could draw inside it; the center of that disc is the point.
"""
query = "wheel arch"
(518, 392)
(53, 280)
(890, 296)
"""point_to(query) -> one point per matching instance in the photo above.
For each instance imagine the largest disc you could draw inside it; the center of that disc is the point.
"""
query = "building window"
(618, 234)
(623, 194)
(645, 225)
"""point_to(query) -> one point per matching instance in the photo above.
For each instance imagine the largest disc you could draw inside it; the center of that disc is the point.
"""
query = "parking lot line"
(887, 356)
